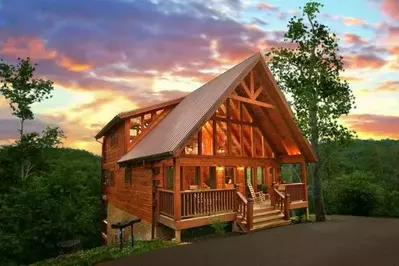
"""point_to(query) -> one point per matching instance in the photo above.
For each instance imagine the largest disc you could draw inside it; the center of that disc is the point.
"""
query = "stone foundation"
(141, 231)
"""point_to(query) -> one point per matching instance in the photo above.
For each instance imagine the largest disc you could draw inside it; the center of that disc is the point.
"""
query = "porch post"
(176, 194)
(304, 181)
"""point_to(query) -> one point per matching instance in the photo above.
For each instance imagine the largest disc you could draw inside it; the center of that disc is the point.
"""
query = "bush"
(219, 227)
(354, 194)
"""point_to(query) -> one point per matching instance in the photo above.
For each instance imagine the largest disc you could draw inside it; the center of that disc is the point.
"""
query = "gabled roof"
(119, 117)
(195, 109)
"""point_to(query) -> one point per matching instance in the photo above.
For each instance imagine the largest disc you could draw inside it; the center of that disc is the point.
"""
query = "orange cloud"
(73, 65)
(390, 85)
(373, 126)
(27, 47)
(391, 8)
(353, 38)
(363, 61)
(350, 21)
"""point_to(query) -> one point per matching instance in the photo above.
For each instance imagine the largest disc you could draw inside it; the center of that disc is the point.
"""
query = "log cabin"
(205, 157)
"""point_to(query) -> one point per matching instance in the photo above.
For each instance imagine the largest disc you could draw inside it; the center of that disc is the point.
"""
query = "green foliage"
(21, 89)
(361, 178)
(310, 74)
(303, 219)
(105, 253)
(219, 226)
(356, 194)
(58, 201)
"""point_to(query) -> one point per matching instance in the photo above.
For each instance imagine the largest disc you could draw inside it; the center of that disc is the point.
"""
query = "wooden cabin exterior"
(190, 162)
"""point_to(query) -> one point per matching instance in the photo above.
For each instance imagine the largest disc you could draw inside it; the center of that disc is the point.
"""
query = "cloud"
(389, 86)
(376, 126)
(353, 39)
(351, 21)
(265, 6)
(391, 8)
(363, 61)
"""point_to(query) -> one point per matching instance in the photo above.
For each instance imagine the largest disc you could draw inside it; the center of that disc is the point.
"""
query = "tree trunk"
(21, 131)
(318, 201)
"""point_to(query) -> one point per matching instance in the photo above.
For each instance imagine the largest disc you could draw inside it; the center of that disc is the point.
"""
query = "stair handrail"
(245, 207)
(284, 201)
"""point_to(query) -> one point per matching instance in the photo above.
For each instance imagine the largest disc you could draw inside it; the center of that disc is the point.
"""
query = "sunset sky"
(106, 57)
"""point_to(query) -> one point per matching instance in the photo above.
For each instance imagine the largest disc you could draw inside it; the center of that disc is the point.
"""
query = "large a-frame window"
(232, 131)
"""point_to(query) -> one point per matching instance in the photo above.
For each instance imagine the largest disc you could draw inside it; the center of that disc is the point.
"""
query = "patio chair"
(258, 197)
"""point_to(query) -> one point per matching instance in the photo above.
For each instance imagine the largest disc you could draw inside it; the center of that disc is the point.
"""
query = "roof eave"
(152, 157)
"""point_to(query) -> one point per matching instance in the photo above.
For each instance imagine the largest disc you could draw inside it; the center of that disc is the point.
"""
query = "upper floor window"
(128, 175)
(114, 139)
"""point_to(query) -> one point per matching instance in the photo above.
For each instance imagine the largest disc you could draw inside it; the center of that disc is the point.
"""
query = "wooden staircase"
(253, 217)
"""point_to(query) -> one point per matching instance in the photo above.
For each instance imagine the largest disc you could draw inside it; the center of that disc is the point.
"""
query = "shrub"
(354, 194)
(219, 227)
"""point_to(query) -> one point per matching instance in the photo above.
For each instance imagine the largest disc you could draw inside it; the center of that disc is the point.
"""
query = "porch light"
(240, 167)
(220, 167)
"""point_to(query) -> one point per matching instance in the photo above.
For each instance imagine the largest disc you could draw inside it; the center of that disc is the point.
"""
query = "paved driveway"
(343, 240)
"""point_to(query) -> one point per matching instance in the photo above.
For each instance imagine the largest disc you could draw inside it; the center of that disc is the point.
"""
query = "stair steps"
(264, 218)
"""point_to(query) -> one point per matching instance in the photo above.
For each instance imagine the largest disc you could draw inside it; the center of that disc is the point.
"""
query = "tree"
(310, 74)
(21, 89)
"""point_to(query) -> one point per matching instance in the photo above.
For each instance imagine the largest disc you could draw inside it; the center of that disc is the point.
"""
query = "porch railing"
(166, 203)
(206, 202)
(296, 191)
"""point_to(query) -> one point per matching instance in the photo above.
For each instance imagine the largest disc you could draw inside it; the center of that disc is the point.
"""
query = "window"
(236, 139)
(209, 175)
(207, 138)
(128, 175)
(229, 175)
(235, 109)
(169, 177)
(114, 139)
(192, 145)
(259, 175)
(258, 141)
(221, 138)
(221, 111)
(109, 177)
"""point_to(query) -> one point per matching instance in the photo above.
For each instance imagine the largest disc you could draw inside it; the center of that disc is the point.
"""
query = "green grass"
(302, 219)
(100, 254)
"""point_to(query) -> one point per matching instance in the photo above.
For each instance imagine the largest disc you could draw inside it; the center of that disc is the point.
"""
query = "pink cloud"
(266, 6)
(350, 21)
(382, 126)
(390, 8)
(363, 61)
(353, 38)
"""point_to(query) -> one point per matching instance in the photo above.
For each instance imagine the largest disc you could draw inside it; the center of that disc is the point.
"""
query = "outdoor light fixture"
(240, 167)
(220, 167)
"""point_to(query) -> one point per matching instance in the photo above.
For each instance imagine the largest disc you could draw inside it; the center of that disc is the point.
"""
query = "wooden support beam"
(252, 83)
(252, 142)
(246, 100)
(200, 141)
(176, 190)
(256, 94)
(246, 88)
(292, 158)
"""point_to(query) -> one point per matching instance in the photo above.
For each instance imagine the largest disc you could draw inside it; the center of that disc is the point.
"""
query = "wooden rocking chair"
(258, 197)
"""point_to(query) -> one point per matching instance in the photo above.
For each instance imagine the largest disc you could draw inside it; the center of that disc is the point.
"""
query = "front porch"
(205, 195)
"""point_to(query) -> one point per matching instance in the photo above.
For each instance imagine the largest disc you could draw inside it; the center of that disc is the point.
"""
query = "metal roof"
(189, 115)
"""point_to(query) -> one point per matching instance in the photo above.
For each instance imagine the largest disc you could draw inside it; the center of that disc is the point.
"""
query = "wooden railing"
(166, 203)
(282, 201)
(245, 209)
(205, 202)
(296, 191)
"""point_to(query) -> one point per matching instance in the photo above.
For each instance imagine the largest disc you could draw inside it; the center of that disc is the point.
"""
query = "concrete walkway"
(343, 240)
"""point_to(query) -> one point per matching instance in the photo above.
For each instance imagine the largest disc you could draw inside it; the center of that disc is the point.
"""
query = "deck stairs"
(264, 216)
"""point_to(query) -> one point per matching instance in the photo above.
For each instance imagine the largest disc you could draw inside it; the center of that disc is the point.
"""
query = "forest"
(60, 199)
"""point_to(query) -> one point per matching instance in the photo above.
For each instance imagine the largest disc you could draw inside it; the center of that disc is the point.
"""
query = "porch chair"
(258, 197)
